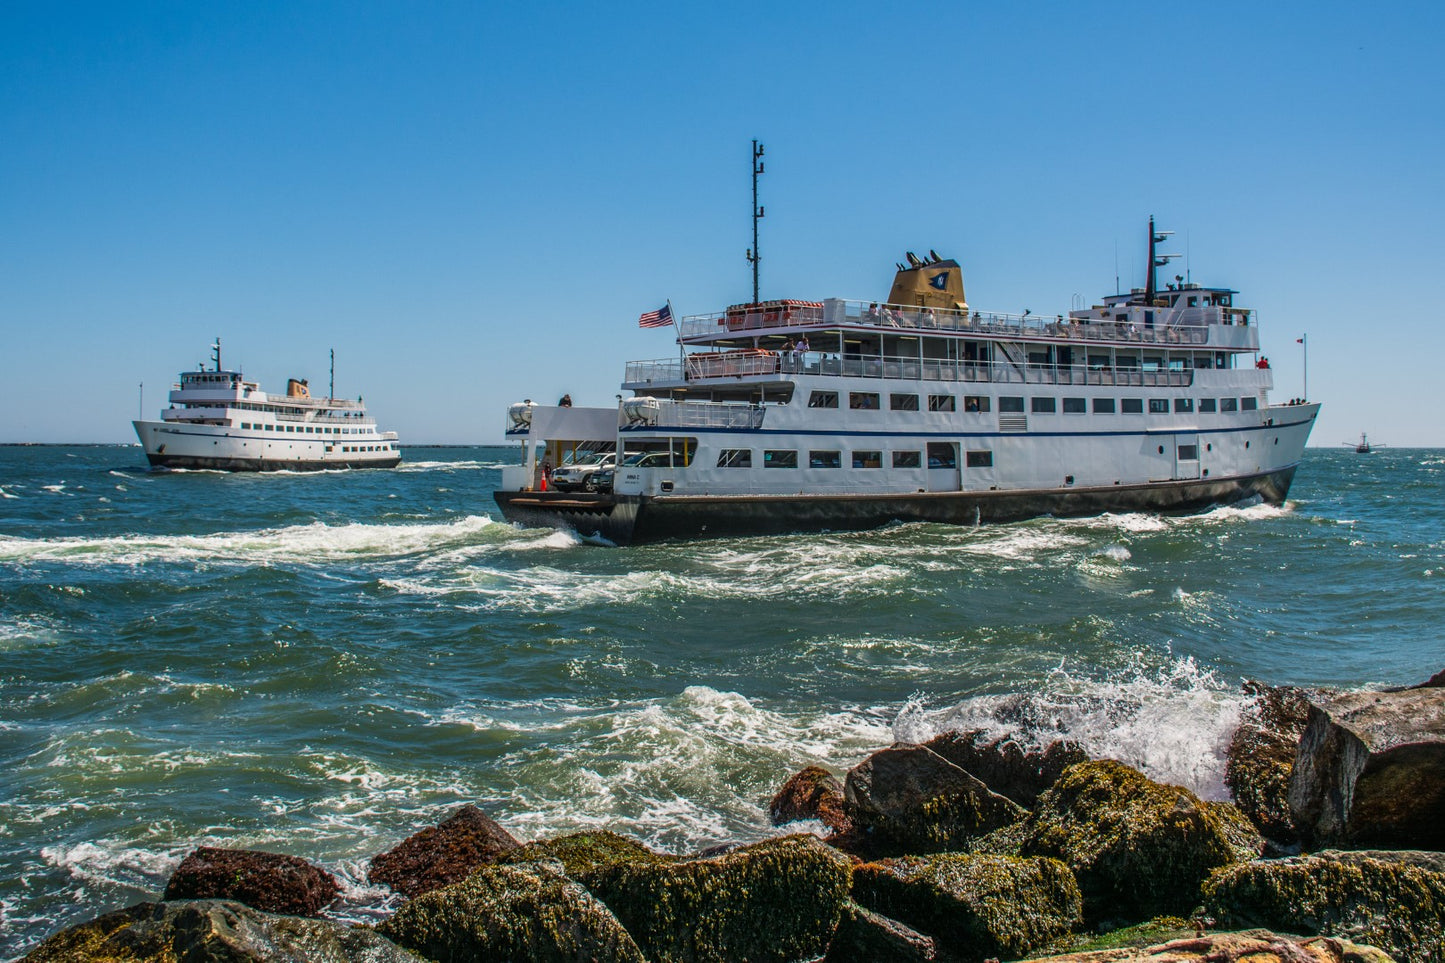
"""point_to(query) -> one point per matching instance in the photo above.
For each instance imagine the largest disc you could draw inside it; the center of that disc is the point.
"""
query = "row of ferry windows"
(872, 401)
(303, 429)
(940, 455)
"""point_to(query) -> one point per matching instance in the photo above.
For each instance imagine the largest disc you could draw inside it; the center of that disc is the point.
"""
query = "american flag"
(660, 318)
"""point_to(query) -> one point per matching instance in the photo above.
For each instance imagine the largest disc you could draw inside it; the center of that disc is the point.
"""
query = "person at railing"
(930, 319)
(800, 352)
(786, 356)
(889, 318)
(565, 401)
(872, 316)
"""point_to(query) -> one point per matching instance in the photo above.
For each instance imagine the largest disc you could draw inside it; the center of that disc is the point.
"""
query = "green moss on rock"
(976, 906)
(500, 913)
(1398, 907)
(583, 853)
(1139, 848)
(774, 901)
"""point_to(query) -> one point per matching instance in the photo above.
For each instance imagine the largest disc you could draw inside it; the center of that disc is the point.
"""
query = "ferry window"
(1188, 452)
(975, 402)
(682, 451)
(1103, 406)
(735, 458)
(1183, 405)
(1206, 405)
(1038, 358)
(825, 459)
(1121, 318)
(867, 459)
(1194, 302)
(979, 459)
(863, 399)
(1152, 363)
(1203, 361)
(903, 402)
(906, 459)
(1098, 361)
(823, 399)
(245, 424)
(1158, 406)
(942, 454)
(1013, 405)
(1176, 364)
(774, 458)
(942, 403)
(1074, 406)
(1131, 406)
(1228, 404)
(1248, 404)
(1044, 406)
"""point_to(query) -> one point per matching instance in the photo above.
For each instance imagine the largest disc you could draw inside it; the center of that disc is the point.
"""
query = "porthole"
(1246, 444)
(1209, 447)
(1276, 441)
(1068, 479)
(1161, 449)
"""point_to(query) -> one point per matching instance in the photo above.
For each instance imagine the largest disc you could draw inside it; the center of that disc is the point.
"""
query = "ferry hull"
(215, 449)
(625, 519)
(260, 464)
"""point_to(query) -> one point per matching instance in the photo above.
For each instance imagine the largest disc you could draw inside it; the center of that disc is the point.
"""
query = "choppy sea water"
(322, 664)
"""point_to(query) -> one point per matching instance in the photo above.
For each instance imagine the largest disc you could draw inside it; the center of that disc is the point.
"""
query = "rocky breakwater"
(960, 849)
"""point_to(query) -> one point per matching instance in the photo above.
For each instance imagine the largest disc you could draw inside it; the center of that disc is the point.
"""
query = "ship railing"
(700, 414)
(837, 312)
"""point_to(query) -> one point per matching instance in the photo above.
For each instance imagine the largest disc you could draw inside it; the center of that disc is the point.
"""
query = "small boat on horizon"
(219, 420)
(1363, 446)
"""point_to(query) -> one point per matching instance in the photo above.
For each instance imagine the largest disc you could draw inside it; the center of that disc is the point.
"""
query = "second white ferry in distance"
(219, 420)
(788, 416)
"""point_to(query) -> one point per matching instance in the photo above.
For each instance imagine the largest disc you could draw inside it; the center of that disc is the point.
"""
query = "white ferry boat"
(219, 420)
(786, 416)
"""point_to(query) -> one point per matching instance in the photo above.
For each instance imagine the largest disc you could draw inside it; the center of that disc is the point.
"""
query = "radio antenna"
(753, 256)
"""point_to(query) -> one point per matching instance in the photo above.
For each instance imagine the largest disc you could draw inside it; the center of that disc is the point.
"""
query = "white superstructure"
(923, 409)
(219, 420)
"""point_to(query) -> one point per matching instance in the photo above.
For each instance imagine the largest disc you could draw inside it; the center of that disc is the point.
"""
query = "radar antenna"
(1155, 259)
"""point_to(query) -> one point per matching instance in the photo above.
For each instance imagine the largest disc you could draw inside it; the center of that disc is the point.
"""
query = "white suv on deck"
(577, 476)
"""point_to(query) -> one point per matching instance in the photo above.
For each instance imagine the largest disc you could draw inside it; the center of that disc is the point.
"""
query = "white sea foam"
(111, 863)
(6, 493)
(294, 543)
(1172, 722)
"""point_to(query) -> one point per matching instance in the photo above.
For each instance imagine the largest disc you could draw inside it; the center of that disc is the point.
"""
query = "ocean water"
(322, 664)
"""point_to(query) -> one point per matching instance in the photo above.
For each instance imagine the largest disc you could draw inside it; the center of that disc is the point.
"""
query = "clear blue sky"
(472, 202)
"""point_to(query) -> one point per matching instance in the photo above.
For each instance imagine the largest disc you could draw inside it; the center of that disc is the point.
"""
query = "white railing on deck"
(702, 414)
(905, 317)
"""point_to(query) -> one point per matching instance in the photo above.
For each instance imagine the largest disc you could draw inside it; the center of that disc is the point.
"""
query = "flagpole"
(1304, 342)
(677, 330)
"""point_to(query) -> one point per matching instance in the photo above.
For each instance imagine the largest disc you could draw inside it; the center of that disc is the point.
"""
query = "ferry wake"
(791, 416)
(219, 420)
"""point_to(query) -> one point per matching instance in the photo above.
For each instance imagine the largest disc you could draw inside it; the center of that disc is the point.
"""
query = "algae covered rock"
(865, 935)
(528, 912)
(442, 854)
(583, 853)
(1252, 947)
(976, 906)
(1004, 766)
(203, 931)
(1371, 770)
(1395, 906)
(270, 882)
(777, 900)
(911, 800)
(1138, 848)
(1261, 757)
(813, 793)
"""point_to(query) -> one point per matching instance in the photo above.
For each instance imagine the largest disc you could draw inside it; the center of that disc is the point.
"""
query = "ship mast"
(1155, 260)
(753, 256)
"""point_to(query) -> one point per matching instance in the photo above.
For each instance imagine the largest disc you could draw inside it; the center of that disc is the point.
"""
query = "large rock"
(528, 913)
(1253, 947)
(1371, 770)
(865, 935)
(911, 800)
(1261, 757)
(1397, 907)
(1004, 766)
(975, 906)
(582, 854)
(213, 931)
(813, 793)
(270, 882)
(1138, 848)
(777, 900)
(443, 854)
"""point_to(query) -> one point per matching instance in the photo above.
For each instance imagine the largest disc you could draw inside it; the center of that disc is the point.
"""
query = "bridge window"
(1074, 406)
(1044, 406)
(907, 459)
(867, 459)
(1158, 406)
(1103, 406)
(975, 402)
(825, 459)
(942, 403)
(1228, 404)
(1011, 405)
(903, 402)
(979, 459)
(1183, 405)
(735, 458)
(1131, 406)
(1248, 404)
(1206, 405)
(777, 458)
